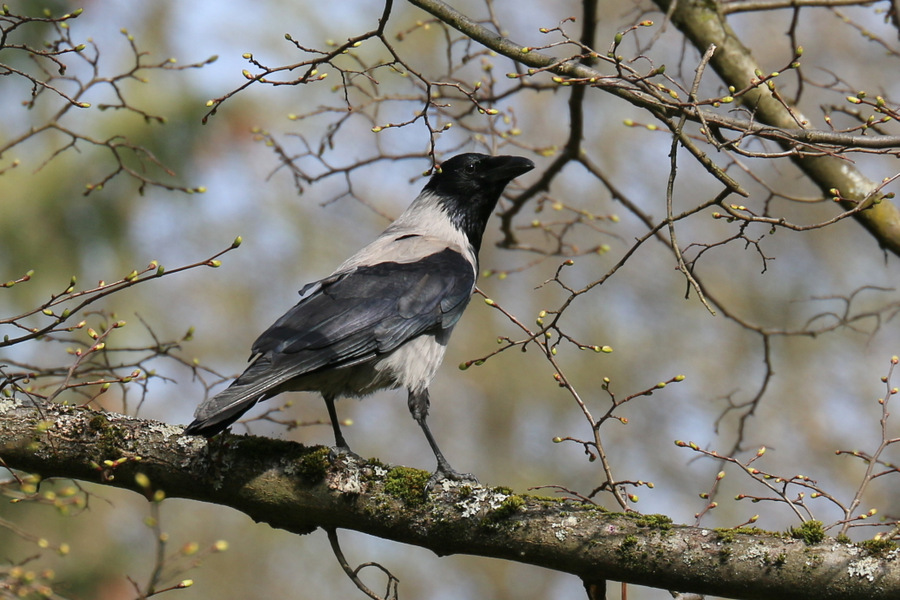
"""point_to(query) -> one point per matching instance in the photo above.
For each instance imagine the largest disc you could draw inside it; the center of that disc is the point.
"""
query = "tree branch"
(736, 6)
(703, 25)
(296, 488)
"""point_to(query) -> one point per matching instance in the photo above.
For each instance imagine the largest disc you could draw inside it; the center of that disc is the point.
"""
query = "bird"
(383, 318)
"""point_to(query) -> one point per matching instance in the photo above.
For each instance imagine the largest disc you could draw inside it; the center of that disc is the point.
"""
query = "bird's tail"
(226, 407)
(220, 411)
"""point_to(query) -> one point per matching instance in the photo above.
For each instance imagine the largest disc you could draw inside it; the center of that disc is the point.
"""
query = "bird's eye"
(470, 168)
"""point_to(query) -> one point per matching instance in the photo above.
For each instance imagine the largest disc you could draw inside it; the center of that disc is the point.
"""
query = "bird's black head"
(468, 187)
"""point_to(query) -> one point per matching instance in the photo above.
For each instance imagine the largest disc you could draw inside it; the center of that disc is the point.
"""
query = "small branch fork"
(795, 490)
(50, 75)
(61, 307)
(548, 338)
(392, 582)
(670, 186)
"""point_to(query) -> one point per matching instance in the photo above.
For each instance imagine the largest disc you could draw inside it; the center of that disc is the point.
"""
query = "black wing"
(347, 319)
(371, 310)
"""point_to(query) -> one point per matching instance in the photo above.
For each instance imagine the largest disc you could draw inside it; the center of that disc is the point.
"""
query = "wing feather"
(347, 319)
(373, 309)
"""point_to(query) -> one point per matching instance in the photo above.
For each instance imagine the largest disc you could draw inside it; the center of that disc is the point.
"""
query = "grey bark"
(297, 488)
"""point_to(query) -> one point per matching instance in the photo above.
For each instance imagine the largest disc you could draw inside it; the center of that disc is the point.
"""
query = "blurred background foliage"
(497, 420)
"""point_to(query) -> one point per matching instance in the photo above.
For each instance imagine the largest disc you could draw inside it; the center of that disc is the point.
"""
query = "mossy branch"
(296, 488)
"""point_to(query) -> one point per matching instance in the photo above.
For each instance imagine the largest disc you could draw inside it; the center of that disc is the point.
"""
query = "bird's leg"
(340, 444)
(418, 408)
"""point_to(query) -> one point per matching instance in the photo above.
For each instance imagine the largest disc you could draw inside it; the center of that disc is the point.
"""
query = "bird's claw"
(449, 474)
(337, 452)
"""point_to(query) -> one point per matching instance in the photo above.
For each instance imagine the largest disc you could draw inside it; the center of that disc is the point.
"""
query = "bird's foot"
(446, 473)
(338, 452)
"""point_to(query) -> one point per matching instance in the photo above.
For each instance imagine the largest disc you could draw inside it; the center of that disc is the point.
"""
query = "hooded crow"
(383, 318)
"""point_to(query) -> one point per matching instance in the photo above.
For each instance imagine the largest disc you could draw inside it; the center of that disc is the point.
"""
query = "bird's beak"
(507, 168)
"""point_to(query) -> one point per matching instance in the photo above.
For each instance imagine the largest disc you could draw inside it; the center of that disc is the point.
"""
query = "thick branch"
(296, 488)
